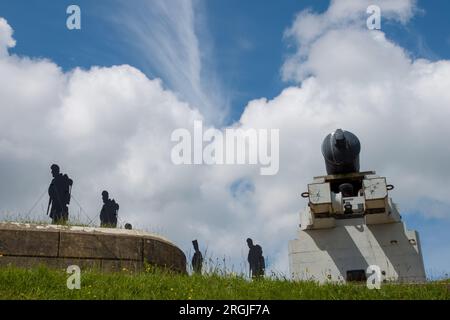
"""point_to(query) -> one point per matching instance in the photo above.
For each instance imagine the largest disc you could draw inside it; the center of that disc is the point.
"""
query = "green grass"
(43, 283)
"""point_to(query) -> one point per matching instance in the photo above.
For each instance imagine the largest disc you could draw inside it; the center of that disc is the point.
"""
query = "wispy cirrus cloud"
(170, 40)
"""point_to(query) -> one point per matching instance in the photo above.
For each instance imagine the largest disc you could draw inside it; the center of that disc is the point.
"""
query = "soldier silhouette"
(108, 215)
(255, 260)
(59, 193)
(197, 259)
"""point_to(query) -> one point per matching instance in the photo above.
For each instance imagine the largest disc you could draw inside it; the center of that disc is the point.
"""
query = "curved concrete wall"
(27, 245)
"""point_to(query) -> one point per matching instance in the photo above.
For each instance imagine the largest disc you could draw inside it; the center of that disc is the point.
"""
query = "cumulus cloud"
(309, 26)
(110, 128)
(6, 38)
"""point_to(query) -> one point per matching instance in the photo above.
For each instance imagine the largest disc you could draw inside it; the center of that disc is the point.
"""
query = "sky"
(102, 102)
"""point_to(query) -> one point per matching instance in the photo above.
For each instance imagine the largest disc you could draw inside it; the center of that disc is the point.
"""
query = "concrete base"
(27, 245)
(328, 254)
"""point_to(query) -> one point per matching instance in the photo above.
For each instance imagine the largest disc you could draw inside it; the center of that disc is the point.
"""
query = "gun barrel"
(341, 150)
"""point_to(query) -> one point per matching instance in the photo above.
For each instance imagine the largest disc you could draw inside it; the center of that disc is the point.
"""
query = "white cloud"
(6, 38)
(110, 128)
(309, 26)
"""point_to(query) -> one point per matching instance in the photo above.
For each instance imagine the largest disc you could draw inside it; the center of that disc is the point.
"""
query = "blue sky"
(244, 49)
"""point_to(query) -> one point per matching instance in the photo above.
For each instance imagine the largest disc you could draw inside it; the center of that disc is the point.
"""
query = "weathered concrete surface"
(163, 254)
(32, 243)
(98, 246)
(28, 245)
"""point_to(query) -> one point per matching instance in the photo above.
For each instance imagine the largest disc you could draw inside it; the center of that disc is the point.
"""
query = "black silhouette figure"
(255, 260)
(108, 215)
(197, 259)
(128, 226)
(59, 193)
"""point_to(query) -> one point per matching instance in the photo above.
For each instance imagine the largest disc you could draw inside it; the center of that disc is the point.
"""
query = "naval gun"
(350, 223)
(346, 192)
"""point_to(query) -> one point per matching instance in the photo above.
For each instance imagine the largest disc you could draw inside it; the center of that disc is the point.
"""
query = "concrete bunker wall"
(26, 245)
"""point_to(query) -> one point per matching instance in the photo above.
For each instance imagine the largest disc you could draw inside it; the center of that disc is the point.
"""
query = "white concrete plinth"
(328, 254)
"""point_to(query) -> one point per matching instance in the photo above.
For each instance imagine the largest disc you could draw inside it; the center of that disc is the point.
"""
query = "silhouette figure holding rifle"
(59, 193)
(255, 260)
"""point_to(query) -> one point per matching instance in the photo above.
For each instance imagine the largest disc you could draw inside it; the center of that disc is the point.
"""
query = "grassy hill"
(43, 283)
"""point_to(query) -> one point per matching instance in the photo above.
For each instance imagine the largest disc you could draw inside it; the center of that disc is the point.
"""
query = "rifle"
(49, 203)
(70, 193)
